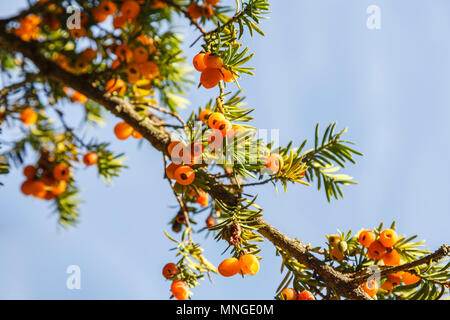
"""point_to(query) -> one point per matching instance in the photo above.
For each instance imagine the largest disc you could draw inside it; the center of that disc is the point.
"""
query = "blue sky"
(318, 63)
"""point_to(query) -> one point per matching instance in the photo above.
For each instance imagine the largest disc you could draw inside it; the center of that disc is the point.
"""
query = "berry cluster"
(383, 249)
(46, 180)
(179, 288)
(123, 131)
(247, 264)
(212, 70)
(196, 11)
(291, 294)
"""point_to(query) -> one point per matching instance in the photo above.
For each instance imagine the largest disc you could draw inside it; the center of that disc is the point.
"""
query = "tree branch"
(159, 140)
(442, 252)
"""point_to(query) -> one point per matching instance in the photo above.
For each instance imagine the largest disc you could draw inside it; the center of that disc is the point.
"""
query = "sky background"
(318, 63)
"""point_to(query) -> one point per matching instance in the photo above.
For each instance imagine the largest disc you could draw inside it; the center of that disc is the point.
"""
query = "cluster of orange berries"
(135, 59)
(196, 11)
(212, 71)
(291, 294)
(29, 28)
(381, 248)
(183, 158)
(371, 287)
(43, 183)
(247, 264)
(123, 131)
(47, 180)
(179, 288)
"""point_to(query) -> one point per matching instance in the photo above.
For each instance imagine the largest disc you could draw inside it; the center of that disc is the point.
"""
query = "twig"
(186, 14)
(442, 252)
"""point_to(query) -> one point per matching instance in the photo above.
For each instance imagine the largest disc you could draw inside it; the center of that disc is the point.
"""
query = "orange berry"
(61, 172)
(158, 4)
(180, 289)
(78, 32)
(170, 270)
(119, 21)
(212, 60)
(124, 53)
(275, 163)
(289, 294)
(29, 172)
(212, 2)
(198, 62)
(249, 264)
(99, 15)
(376, 250)
(59, 188)
(90, 158)
(133, 73)
(115, 64)
(370, 287)
(236, 131)
(48, 181)
(89, 54)
(366, 238)
(336, 254)
(409, 278)
(28, 116)
(149, 69)
(387, 285)
(207, 11)
(194, 11)
(123, 130)
(170, 170)
(215, 139)
(392, 258)
(171, 146)
(176, 151)
(107, 7)
(38, 189)
(223, 126)
(84, 18)
(137, 135)
(130, 9)
(78, 97)
(116, 85)
(204, 115)
(27, 187)
(147, 42)
(395, 278)
(202, 200)
(140, 55)
(305, 295)
(210, 222)
(227, 75)
(184, 175)
(388, 238)
(229, 267)
(210, 78)
(214, 119)
(196, 151)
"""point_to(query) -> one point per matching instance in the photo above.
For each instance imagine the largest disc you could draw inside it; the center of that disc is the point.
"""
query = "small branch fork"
(344, 284)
